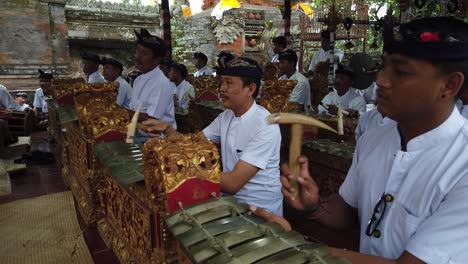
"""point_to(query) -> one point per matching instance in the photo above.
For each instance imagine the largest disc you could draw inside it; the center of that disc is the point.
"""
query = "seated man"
(91, 64)
(408, 183)
(152, 89)
(301, 92)
(200, 60)
(20, 99)
(112, 71)
(7, 101)
(250, 147)
(279, 45)
(184, 91)
(344, 95)
(323, 54)
(40, 104)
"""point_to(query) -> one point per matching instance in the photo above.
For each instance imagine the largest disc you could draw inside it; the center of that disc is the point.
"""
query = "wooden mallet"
(297, 122)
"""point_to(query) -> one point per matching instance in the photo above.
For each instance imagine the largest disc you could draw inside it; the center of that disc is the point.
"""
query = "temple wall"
(49, 34)
(199, 35)
(33, 35)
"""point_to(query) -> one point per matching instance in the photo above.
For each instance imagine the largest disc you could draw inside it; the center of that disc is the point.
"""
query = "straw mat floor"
(41, 230)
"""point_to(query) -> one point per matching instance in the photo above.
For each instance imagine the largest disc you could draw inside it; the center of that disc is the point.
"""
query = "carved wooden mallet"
(297, 122)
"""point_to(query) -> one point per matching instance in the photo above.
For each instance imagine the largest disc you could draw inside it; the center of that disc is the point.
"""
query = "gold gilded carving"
(275, 96)
(203, 84)
(84, 205)
(97, 111)
(62, 86)
(77, 154)
(130, 220)
(170, 161)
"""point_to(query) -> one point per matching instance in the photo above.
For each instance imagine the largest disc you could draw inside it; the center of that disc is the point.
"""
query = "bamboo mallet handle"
(297, 121)
(133, 126)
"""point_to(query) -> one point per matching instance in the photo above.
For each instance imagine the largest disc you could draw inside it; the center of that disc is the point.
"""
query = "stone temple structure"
(49, 34)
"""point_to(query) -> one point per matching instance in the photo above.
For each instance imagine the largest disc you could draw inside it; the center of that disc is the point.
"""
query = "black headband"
(431, 38)
(149, 41)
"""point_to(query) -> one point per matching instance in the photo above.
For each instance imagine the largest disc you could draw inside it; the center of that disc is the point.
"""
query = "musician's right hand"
(308, 198)
(332, 109)
(155, 127)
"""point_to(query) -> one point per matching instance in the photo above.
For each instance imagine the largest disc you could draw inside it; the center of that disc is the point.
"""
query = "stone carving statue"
(229, 27)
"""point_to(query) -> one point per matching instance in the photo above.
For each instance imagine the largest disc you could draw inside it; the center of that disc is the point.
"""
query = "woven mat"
(42, 230)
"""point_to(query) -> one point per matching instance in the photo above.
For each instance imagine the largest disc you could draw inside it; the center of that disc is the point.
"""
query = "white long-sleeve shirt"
(204, 71)
(429, 184)
(7, 101)
(301, 92)
(124, 95)
(96, 77)
(352, 99)
(155, 92)
(184, 92)
(370, 120)
(322, 55)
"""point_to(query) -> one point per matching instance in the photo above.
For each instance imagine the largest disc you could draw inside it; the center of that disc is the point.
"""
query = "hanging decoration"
(348, 23)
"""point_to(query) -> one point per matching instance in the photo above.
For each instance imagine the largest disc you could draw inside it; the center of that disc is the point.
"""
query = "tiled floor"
(39, 180)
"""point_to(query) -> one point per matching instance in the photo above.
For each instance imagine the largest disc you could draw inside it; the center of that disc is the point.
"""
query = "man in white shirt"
(20, 99)
(279, 45)
(301, 92)
(344, 95)
(152, 89)
(184, 91)
(45, 83)
(200, 60)
(91, 64)
(408, 184)
(323, 54)
(112, 71)
(250, 147)
(7, 101)
(370, 120)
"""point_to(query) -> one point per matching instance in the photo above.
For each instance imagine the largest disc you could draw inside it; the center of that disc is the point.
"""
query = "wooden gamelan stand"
(160, 202)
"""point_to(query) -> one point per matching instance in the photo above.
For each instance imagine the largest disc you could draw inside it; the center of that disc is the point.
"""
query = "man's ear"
(453, 83)
(252, 87)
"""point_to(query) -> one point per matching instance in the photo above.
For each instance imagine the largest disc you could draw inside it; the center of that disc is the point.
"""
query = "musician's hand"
(155, 127)
(270, 217)
(308, 198)
(332, 109)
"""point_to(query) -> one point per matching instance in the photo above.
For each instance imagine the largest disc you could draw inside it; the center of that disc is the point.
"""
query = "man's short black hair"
(111, 61)
(289, 55)
(180, 68)
(280, 40)
(325, 34)
(200, 56)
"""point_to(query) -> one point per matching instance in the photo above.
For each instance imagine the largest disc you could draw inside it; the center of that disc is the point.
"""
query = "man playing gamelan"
(152, 89)
(250, 147)
(408, 184)
(344, 95)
